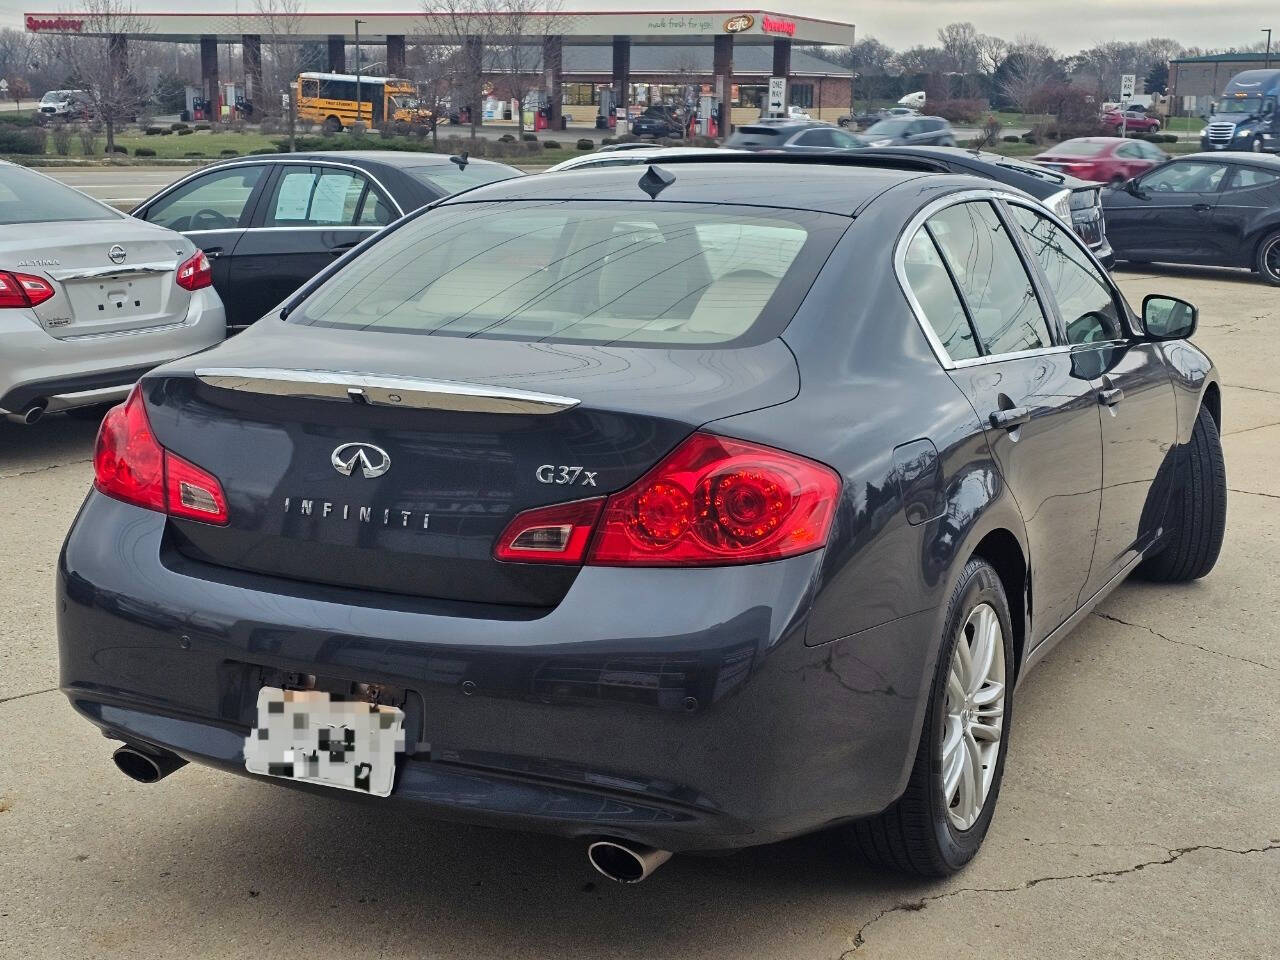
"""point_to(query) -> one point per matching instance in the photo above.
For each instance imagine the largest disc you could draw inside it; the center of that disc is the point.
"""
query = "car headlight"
(1204, 131)
(1244, 133)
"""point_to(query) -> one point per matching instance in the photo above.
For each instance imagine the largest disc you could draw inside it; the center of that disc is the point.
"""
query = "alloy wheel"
(1271, 259)
(974, 720)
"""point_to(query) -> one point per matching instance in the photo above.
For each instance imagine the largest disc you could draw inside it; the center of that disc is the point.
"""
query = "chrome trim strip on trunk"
(384, 391)
(115, 270)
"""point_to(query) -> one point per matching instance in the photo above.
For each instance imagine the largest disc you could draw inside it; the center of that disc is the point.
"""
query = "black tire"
(915, 835)
(1197, 514)
(1268, 259)
(332, 125)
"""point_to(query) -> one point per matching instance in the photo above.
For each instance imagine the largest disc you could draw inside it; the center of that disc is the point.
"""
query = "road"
(1138, 816)
(124, 187)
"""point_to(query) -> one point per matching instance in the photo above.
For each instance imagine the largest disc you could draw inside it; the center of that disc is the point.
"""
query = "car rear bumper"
(678, 708)
(36, 367)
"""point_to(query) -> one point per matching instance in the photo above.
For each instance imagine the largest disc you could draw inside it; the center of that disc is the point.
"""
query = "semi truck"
(1246, 118)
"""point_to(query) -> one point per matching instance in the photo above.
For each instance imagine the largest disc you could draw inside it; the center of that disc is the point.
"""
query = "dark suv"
(733, 506)
(658, 121)
(910, 131)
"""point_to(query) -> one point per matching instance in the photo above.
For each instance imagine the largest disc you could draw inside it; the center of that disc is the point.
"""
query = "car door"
(310, 214)
(213, 209)
(1250, 193)
(1133, 390)
(1040, 415)
(1167, 214)
(917, 133)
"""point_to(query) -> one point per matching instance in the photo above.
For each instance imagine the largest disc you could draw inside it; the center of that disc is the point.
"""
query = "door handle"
(1201, 207)
(213, 253)
(1110, 396)
(1011, 418)
(342, 248)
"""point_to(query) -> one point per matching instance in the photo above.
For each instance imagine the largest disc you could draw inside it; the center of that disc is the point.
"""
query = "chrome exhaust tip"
(146, 766)
(28, 416)
(625, 862)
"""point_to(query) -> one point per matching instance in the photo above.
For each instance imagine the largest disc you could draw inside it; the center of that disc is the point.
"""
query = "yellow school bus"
(329, 99)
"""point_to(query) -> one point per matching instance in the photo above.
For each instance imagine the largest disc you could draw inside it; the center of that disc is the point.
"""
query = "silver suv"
(90, 299)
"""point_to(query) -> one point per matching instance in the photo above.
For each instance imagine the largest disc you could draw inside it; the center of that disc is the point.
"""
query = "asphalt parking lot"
(1140, 813)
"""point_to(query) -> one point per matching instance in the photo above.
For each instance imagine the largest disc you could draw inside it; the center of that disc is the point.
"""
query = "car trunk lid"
(402, 480)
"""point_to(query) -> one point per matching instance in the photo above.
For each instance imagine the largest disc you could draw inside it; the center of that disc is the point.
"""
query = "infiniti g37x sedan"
(672, 509)
(90, 299)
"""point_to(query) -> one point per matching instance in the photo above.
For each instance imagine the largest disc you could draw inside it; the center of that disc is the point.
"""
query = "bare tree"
(517, 61)
(97, 61)
(19, 90)
(1029, 66)
(463, 27)
(431, 66)
(280, 25)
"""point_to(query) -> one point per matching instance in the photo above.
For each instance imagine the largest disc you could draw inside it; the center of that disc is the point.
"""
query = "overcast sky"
(1068, 25)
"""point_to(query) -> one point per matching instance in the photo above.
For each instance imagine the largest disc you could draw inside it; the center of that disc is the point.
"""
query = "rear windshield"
(446, 178)
(648, 274)
(1078, 148)
(27, 197)
(752, 137)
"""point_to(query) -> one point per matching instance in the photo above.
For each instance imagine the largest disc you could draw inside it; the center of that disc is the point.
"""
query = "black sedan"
(268, 224)
(682, 508)
(659, 121)
(1211, 209)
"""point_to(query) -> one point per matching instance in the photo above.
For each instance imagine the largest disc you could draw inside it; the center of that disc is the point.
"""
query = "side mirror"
(1168, 318)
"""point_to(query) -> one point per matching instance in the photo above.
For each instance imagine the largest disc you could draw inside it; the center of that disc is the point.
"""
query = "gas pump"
(708, 115)
(604, 115)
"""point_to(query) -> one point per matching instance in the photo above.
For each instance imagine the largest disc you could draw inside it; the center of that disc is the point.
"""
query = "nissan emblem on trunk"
(116, 254)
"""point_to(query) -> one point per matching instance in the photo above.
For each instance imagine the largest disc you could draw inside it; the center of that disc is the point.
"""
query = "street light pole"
(359, 103)
(1267, 31)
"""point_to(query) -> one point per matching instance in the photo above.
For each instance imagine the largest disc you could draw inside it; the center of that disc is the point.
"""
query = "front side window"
(215, 201)
(1186, 177)
(577, 272)
(990, 274)
(1085, 300)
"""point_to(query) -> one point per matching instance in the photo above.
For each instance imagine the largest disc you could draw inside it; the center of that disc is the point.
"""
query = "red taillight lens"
(716, 501)
(555, 534)
(130, 465)
(195, 273)
(23, 290)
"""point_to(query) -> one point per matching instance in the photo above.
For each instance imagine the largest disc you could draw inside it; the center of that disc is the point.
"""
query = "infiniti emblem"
(116, 254)
(374, 461)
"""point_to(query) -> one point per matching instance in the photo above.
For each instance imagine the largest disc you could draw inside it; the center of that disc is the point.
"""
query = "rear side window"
(753, 137)
(570, 272)
(936, 294)
(27, 197)
(315, 197)
(446, 178)
(989, 272)
(1246, 178)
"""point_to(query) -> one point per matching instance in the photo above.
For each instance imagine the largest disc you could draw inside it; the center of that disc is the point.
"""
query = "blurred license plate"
(309, 735)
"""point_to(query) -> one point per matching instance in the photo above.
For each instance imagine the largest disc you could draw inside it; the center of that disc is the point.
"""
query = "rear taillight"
(130, 465)
(716, 501)
(559, 533)
(712, 502)
(23, 290)
(195, 273)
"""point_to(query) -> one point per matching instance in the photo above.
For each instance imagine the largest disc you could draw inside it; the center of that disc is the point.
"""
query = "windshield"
(446, 178)
(27, 197)
(56, 96)
(648, 274)
(894, 127)
(1077, 148)
(1241, 105)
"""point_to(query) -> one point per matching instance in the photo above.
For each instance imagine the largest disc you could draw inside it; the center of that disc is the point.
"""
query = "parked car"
(64, 105)
(584, 541)
(792, 135)
(659, 121)
(797, 113)
(601, 158)
(1215, 209)
(864, 120)
(1103, 159)
(268, 224)
(1076, 201)
(90, 299)
(913, 131)
(1138, 121)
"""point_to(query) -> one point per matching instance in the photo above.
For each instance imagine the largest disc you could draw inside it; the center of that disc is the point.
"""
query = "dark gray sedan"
(671, 509)
(910, 132)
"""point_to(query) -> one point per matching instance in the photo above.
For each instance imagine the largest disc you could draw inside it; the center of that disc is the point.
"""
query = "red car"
(1105, 159)
(1132, 120)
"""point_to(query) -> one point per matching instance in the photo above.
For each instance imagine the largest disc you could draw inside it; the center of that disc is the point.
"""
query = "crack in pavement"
(1255, 493)
(33, 693)
(1261, 426)
(44, 469)
(1183, 643)
(1241, 386)
(1172, 856)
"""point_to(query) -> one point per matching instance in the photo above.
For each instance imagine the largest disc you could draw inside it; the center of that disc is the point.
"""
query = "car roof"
(648, 152)
(781, 123)
(362, 158)
(749, 180)
(1034, 179)
(1243, 157)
